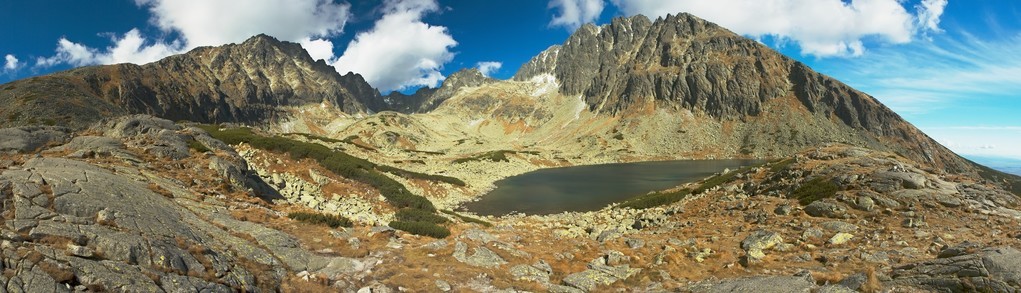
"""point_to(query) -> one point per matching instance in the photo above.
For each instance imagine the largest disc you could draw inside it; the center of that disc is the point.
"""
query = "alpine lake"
(592, 187)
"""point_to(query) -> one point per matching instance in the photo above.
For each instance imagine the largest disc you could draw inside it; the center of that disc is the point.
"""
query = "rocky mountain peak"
(245, 83)
(466, 77)
(684, 64)
(544, 63)
(426, 99)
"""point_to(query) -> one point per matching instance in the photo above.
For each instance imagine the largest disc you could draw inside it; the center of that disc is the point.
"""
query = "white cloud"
(929, 12)
(11, 63)
(574, 13)
(217, 22)
(132, 48)
(952, 69)
(489, 67)
(70, 53)
(400, 51)
(319, 49)
(214, 22)
(819, 27)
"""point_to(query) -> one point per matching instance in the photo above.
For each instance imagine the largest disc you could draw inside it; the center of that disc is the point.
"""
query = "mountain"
(247, 82)
(684, 63)
(674, 87)
(427, 99)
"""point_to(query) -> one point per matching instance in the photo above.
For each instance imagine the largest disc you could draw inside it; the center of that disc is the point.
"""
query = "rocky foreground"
(134, 204)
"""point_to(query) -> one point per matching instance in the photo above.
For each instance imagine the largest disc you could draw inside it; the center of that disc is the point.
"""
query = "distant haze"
(1008, 165)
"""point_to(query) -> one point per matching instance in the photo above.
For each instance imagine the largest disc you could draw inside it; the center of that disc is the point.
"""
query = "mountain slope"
(682, 62)
(244, 82)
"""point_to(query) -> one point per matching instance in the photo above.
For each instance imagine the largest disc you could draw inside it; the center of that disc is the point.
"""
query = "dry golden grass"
(160, 190)
(60, 274)
(872, 283)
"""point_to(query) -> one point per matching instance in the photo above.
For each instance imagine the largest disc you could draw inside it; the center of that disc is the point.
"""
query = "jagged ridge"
(244, 82)
(684, 62)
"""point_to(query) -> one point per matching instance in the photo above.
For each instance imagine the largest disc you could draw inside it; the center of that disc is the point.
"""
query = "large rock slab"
(826, 208)
(767, 284)
(29, 138)
(988, 270)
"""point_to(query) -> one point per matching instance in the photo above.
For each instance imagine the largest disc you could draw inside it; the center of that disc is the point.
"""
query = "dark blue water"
(589, 188)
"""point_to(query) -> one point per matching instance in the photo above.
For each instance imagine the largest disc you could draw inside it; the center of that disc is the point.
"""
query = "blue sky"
(951, 67)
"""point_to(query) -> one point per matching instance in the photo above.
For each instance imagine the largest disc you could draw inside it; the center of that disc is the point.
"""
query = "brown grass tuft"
(160, 190)
(823, 278)
(59, 273)
(872, 283)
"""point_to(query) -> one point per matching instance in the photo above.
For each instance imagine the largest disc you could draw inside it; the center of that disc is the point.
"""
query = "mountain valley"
(253, 167)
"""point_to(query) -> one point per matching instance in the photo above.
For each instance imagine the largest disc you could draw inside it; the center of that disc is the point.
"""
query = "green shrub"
(420, 228)
(333, 221)
(197, 146)
(814, 190)
(337, 162)
(721, 179)
(350, 139)
(780, 165)
(495, 156)
(655, 199)
(415, 175)
(426, 152)
(467, 219)
(416, 215)
(316, 137)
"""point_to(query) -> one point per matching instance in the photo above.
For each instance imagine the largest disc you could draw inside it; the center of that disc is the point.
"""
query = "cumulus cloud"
(70, 53)
(818, 27)
(131, 48)
(214, 22)
(11, 63)
(400, 51)
(574, 13)
(929, 12)
(319, 49)
(487, 68)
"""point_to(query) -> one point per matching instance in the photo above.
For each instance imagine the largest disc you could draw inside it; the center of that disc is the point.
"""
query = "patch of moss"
(413, 215)
(494, 156)
(427, 152)
(349, 139)
(721, 179)
(815, 189)
(420, 228)
(197, 146)
(467, 219)
(655, 199)
(415, 175)
(316, 137)
(333, 221)
(780, 165)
